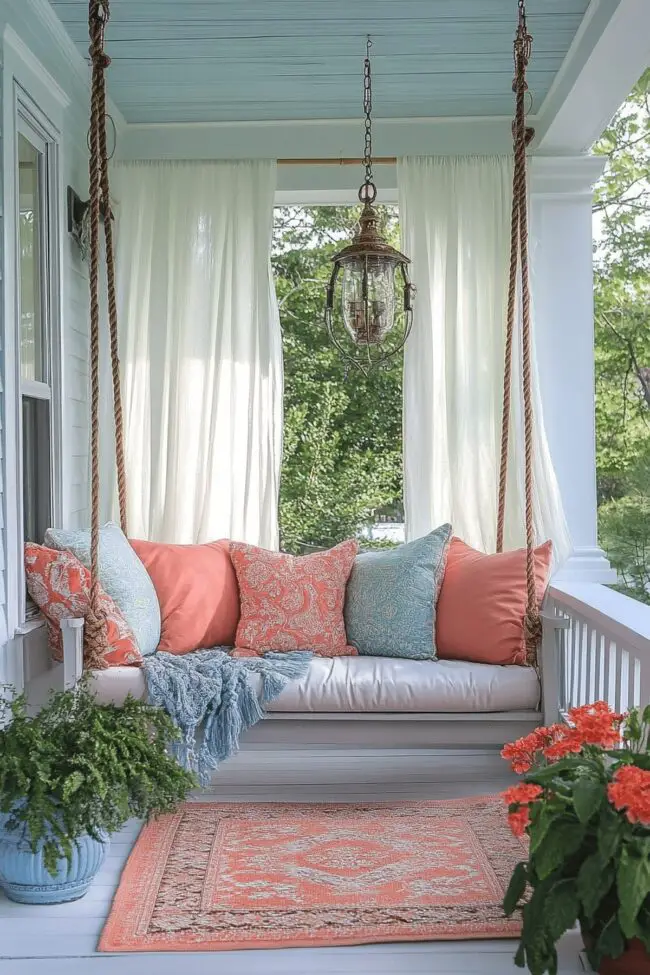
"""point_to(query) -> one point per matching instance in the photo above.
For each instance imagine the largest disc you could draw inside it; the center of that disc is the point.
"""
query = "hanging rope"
(519, 272)
(98, 14)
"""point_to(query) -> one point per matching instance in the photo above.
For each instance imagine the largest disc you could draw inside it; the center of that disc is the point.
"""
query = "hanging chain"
(523, 47)
(367, 108)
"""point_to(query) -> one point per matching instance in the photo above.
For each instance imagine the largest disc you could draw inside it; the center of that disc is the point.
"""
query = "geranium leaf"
(594, 882)
(516, 889)
(587, 798)
(633, 883)
(563, 840)
(561, 908)
(610, 944)
(541, 825)
(609, 833)
(544, 775)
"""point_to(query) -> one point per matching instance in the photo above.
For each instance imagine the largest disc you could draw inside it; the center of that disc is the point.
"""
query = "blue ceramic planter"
(24, 877)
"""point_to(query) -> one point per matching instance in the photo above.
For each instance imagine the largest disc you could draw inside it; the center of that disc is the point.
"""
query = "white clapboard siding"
(50, 70)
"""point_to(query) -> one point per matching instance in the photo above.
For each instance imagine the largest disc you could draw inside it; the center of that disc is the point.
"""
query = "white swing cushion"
(376, 684)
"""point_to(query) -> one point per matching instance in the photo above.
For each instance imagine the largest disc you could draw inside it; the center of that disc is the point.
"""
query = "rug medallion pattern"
(218, 876)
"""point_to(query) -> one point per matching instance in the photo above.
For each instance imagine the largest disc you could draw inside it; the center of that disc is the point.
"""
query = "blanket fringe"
(210, 697)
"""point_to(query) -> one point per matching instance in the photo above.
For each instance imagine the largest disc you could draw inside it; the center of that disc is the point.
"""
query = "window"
(34, 241)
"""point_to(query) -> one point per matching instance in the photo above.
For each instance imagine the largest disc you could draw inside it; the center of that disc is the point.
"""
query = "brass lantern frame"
(369, 246)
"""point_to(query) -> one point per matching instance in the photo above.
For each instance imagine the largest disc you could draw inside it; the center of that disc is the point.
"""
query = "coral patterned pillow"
(293, 602)
(60, 586)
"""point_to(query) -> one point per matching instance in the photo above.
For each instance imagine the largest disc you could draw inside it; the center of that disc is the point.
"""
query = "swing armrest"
(72, 631)
(550, 663)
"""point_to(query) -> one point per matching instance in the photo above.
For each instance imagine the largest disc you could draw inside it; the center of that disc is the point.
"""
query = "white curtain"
(201, 351)
(455, 218)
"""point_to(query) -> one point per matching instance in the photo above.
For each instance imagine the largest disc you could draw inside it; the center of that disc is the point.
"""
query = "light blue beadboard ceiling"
(250, 60)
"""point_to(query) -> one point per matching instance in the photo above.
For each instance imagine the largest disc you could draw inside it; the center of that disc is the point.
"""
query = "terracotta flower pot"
(635, 960)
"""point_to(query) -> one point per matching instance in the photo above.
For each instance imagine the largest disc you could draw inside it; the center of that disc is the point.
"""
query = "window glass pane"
(30, 187)
(37, 498)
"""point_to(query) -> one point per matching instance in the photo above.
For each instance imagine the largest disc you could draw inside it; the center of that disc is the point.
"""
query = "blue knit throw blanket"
(209, 691)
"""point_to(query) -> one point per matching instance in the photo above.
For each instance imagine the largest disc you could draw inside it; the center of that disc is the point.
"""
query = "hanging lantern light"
(376, 295)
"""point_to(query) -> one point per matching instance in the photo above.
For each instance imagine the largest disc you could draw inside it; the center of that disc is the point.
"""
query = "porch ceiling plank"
(267, 60)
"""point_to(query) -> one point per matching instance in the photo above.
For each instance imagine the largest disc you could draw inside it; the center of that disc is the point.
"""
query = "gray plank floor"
(61, 939)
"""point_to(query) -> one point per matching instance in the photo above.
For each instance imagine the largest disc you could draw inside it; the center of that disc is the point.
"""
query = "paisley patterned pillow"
(122, 575)
(293, 602)
(390, 610)
(60, 586)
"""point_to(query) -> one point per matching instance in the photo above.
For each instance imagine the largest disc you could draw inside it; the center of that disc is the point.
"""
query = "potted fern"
(584, 803)
(69, 777)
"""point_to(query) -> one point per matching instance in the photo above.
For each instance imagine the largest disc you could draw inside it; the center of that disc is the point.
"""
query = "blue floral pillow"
(121, 574)
(390, 605)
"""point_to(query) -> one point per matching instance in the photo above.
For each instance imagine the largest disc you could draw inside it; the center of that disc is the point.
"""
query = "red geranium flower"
(522, 793)
(563, 741)
(521, 753)
(630, 791)
(519, 820)
(597, 724)
(521, 796)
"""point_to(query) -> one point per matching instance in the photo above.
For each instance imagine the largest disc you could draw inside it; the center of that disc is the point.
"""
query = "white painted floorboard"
(61, 939)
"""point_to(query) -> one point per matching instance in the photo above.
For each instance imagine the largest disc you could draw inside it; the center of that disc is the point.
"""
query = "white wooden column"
(562, 281)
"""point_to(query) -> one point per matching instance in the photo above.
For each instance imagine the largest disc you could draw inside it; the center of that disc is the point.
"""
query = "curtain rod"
(379, 161)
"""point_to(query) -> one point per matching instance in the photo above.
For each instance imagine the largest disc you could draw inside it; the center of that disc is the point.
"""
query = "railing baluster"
(590, 651)
(644, 684)
(608, 691)
(624, 684)
(584, 654)
(577, 643)
(567, 636)
(599, 689)
(634, 692)
(564, 638)
(616, 661)
(604, 654)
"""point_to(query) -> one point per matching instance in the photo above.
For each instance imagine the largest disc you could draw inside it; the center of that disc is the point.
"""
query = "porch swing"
(325, 724)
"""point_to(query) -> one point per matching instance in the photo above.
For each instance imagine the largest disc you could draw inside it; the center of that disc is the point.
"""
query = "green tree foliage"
(342, 431)
(622, 295)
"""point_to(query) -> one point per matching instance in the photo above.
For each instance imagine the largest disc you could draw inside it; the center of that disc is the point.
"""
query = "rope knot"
(532, 636)
(101, 60)
(95, 640)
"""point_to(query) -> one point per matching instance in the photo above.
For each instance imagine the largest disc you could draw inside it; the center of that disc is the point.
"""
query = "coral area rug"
(220, 876)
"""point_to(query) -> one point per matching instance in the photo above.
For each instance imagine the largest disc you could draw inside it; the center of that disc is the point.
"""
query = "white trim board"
(315, 139)
(616, 41)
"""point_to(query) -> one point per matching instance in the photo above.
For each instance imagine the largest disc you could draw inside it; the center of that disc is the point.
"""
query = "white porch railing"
(603, 651)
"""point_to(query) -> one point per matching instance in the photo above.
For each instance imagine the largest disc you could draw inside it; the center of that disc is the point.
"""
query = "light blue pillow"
(121, 574)
(390, 604)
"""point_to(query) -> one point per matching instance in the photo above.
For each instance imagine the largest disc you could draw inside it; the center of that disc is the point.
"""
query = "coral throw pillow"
(60, 586)
(197, 590)
(291, 602)
(483, 601)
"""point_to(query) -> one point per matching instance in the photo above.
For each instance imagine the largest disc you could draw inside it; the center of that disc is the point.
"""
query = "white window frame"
(27, 118)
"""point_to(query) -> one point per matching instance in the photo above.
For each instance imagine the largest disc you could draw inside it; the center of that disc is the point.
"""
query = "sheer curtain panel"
(201, 350)
(455, 219)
